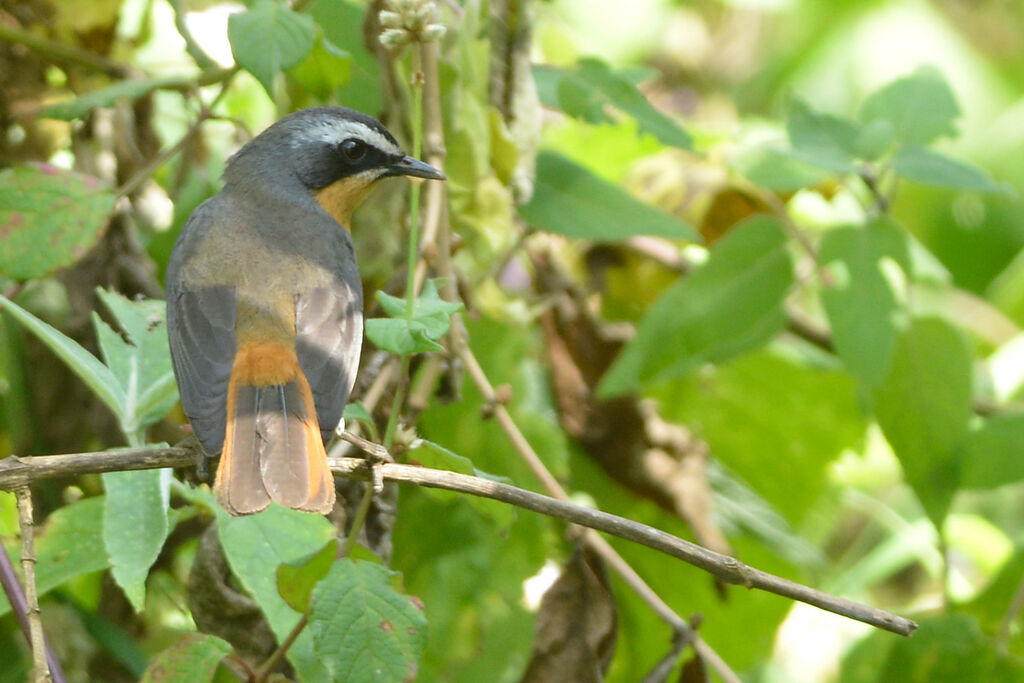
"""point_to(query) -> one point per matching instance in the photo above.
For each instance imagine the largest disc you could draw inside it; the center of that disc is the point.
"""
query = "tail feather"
(273, 449)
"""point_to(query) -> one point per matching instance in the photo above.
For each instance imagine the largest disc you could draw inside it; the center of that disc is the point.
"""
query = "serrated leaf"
(95, 374)
(135, 526)
(296, 580)
(931, 168)
(430, 454)
(131, 89)
(993, 454)
(140, 359)
(193, 657)
(69, 544)
(731, 304)
(49, 218)
(431, 318)
(924, 407)
(861, 303)
(823, 140)
(570, 200)
(362, 629)
(920, 107)
(399, 336)
(270, 37)
(254, 546)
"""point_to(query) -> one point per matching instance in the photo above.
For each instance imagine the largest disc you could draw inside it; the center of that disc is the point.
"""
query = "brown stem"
(40, 667)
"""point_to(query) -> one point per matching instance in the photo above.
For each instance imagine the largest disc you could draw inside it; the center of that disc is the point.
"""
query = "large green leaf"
(924, 406)
(587, 91)
(418, 333)
(364, 630)
(193, 657)
(139, 358)
(995, 453)
(95, 374)
(296, 581)
(70, 544)
(255, 546)
(860, 301)
(135, 526)
(921, 107)
(731, 304)
(342, 23)
(570, 200)
(270, 37)
(49, 218)
(922, 165)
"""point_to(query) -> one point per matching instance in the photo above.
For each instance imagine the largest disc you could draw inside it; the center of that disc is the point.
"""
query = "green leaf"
(778, 169)
(429, 454)
(95, 374)
(135, 526)
(325, 69)
(49, 218)
(570, 200)
(139, 359)
(254, 546)
(993, 453)
(588, 91)
(920, 107)
(342, 22)
(362, 629)
(431, 318)
(131, 89)
(193, 657)
(270, 37)
(924, 407)
(296, 580)
(731, 304)
(70, 544)
(824, 140)
(931, 168)
(944, 648)
(861, 303)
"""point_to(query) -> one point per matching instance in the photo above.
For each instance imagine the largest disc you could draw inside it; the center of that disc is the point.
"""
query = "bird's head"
(337, 154)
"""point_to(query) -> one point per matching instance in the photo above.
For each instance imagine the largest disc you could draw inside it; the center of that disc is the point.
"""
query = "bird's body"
(264, 304)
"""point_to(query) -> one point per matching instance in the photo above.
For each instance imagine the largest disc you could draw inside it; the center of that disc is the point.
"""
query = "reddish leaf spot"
(15, 220)
(387, 626)
(91, 182)
(417, 603)
(48, 169)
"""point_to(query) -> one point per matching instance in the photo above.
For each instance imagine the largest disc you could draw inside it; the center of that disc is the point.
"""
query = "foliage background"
(794, 441)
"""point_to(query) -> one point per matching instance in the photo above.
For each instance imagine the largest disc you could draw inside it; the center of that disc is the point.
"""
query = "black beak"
(410, 166)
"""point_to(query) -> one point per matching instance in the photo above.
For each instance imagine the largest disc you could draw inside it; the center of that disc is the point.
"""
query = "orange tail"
(273, 450)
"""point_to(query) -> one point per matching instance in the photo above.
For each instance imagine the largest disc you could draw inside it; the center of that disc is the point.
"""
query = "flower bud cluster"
(409, 21)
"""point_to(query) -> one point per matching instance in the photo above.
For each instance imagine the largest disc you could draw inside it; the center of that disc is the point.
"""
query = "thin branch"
(192, 47)
(40, 667)
(17, 472)
(60, 52)
(16, 597)
(263, 673)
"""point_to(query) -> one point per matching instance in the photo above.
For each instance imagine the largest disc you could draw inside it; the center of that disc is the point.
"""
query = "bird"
(264, 304)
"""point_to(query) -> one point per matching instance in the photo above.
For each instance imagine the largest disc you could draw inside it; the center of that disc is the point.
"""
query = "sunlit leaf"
(994, 455)
(823, 140)
(296, 580)
(270, 37)
(49, 218)
(921, 107)
(193, 657)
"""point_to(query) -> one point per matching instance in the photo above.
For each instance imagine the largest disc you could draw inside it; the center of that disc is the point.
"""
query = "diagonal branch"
(17, 472)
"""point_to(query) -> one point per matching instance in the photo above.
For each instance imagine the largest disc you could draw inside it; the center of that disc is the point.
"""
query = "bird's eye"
(353, 149)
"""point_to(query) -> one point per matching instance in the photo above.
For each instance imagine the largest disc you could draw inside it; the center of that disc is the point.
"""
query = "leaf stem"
(268, 666)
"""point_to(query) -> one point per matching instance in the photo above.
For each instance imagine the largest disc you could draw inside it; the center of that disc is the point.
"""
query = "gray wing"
(201, 332)
(329, 335)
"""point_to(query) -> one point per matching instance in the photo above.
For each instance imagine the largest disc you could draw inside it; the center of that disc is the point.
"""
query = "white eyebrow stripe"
(334, 132)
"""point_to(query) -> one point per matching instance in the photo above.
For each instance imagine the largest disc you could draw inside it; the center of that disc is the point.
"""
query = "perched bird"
(264, 304)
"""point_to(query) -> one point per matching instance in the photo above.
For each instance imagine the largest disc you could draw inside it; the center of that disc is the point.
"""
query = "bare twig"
(17, 472)
(263, 673)
(40, 667)
(60, 52)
